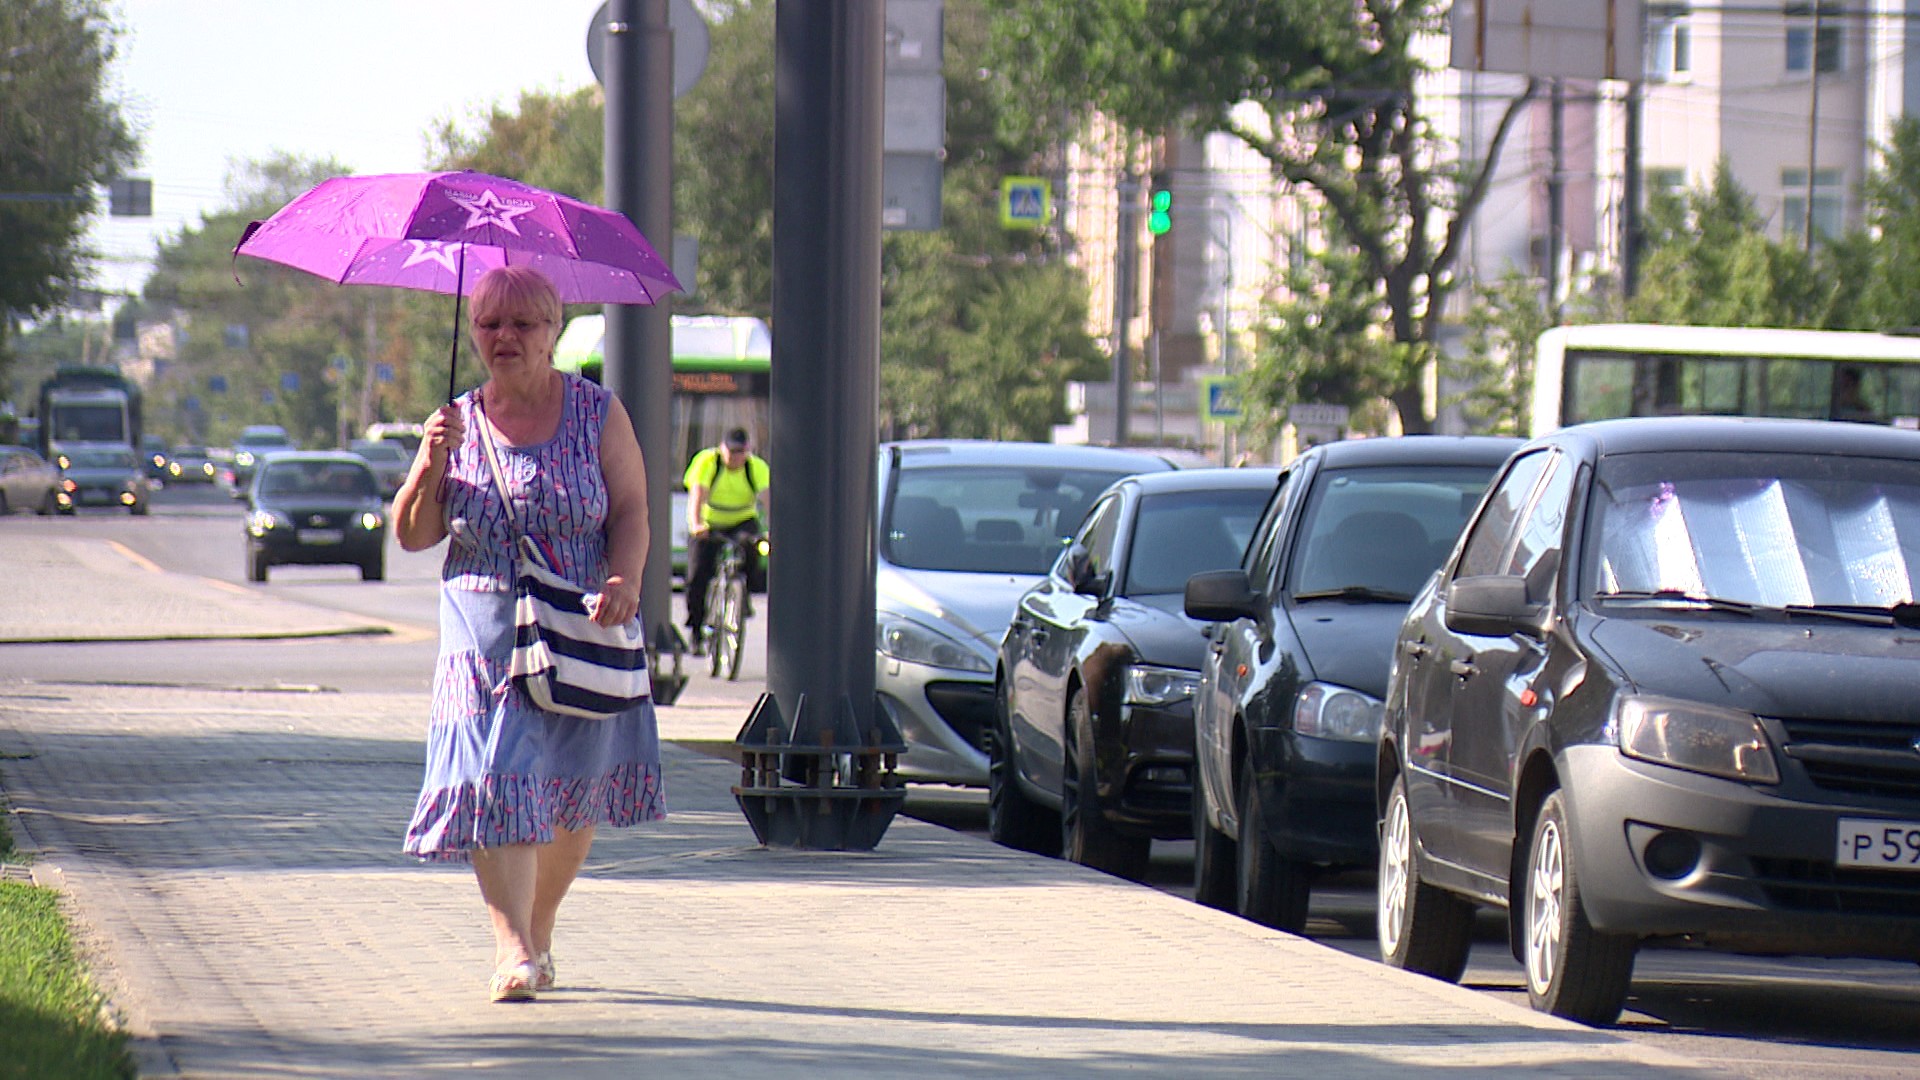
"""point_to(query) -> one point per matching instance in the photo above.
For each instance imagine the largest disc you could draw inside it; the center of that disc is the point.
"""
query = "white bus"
(1608, 370)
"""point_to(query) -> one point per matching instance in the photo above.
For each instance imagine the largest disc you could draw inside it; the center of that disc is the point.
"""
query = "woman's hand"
(619, 601)
(443, 432)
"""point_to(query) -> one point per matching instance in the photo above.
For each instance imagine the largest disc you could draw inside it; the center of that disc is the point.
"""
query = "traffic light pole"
(1126, 256)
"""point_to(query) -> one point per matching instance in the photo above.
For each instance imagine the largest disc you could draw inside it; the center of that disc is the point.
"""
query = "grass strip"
(52, 1022)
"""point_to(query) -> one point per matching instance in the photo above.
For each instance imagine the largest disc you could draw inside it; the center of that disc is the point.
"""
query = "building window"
(1669, 42)
(1802, 50)
(1828, 202)
(1664, 180)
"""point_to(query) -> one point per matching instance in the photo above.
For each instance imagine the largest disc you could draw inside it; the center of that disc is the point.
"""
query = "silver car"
(964, 529)
(28, 482)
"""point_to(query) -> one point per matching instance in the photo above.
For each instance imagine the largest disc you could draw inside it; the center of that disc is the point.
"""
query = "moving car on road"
(1289, 700)
(313, 507)
(103, 475)
(1663, 689)
(964, 528)
(29, 482)
(191, 465)
(390, 460)
(1092, 747)
(255, 442)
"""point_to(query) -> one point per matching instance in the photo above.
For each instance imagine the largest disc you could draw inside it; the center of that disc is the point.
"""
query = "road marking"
(135, 557)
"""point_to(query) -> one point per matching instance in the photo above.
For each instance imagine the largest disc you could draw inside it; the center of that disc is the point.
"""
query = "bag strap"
(521, 545)
(753, 486)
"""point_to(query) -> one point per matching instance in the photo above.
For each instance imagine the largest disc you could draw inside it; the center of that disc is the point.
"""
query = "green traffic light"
(1160, 219)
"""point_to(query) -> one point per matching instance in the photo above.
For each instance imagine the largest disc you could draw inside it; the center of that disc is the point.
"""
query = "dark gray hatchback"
(1665, 688)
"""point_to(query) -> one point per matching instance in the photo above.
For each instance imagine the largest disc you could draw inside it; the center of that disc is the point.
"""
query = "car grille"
(966, 707)
(1808, 885)
(1857, 758)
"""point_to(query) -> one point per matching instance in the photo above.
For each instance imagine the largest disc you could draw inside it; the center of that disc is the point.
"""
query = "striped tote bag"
(566, 662)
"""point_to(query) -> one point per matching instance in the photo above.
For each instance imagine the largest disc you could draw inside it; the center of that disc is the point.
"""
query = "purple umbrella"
(439, 232)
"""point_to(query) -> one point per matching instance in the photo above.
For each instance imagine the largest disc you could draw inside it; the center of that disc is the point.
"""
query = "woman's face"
(514, 339)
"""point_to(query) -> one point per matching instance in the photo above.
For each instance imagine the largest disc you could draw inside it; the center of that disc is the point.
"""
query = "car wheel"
(1270, 890)
(48, 504)
(1013, 819)
(1422, 927)
(256, 564)
(4, 508)
(375, 568)
(1573, 970)
(1086, 834)
(1214, 860)
(138, 509)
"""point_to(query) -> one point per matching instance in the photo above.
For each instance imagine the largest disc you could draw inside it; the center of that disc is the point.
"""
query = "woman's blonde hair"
(509, 287)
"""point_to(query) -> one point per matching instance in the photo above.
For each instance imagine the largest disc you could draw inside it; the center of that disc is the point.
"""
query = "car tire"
(1573, 971)
(375, 568)
(1214, 859)
(1086, 836)
(1013, 819)
(138, 509)
(1269, 889)
(256, 563)
(4, 508)
(48, 504)
(1422, 927)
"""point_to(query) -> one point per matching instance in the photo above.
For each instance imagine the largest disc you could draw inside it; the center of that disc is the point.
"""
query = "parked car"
(1664, 688)
(313, 506)
(102, 475)
(389, 459)
(1289, 703)
(191, 465)
(964, 528)
(29, 482)
(255, 442)
(1092, 748)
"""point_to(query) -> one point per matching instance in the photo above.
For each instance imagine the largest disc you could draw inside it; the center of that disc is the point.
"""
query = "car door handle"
(1462, 668)
(1417, 649)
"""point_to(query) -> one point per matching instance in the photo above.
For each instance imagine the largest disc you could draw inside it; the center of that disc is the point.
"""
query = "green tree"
(1709, 262)
(1335, 82)
(61, 138)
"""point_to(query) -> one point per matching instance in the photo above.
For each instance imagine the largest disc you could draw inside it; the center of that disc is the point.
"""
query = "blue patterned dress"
(499, 770)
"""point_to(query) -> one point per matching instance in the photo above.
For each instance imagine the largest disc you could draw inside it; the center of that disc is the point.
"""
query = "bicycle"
(727, 606)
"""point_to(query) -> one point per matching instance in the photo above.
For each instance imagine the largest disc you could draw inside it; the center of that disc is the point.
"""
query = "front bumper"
(1318, 797)
(1147, 773)
(1762, 876)
(945, 716)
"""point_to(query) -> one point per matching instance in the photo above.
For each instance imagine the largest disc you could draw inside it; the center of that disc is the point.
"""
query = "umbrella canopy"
(440, 232)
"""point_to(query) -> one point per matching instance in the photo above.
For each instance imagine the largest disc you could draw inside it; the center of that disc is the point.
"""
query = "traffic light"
(1160, 211)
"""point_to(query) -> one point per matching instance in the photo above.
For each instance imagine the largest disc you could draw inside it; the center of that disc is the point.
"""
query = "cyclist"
(726, 486)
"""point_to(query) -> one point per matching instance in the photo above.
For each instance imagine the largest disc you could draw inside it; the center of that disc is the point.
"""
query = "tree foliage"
(1335, 84)
(61, 139)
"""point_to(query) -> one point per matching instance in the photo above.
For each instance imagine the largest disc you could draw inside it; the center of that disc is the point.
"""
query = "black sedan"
(1093, 743)
(1289, 702)
(315, 507)
(1664, 689)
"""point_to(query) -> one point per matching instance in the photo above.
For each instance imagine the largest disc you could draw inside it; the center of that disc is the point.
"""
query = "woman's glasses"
(519, 326)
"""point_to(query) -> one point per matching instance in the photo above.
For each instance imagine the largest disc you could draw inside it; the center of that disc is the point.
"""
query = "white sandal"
(544, 974)
(516, 983)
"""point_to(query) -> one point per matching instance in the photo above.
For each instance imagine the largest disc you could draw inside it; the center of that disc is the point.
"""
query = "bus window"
(1601, 387)
(1797, 387)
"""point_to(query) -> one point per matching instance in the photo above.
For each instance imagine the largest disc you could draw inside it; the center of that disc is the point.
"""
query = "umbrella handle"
(459, 287)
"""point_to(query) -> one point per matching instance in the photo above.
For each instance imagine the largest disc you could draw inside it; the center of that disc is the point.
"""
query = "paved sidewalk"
(232, 860)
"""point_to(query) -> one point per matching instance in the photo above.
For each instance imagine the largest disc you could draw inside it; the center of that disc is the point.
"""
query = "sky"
(210, 83)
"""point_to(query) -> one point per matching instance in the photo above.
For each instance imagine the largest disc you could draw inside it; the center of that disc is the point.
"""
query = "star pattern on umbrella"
(434, 251)
(490, 209)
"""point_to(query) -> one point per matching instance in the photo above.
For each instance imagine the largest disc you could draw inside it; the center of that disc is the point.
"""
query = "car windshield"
(1775, 530)
(1179, 534)
(1003, 519)
(1382, 530)
(317, 478)
(382, 451)
(99, 459)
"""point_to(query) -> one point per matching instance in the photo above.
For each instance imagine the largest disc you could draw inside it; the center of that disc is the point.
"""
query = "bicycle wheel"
(715, 628)
(733, 627)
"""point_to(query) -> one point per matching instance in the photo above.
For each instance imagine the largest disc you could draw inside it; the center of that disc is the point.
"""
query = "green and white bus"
(1607, 370)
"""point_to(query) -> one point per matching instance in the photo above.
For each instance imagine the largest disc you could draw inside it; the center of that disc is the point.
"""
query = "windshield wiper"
(1676, 596)
(1906, 613)
(1355, 594)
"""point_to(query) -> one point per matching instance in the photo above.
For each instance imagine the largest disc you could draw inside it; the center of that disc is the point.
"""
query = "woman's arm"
(419, 517)
(625, 473)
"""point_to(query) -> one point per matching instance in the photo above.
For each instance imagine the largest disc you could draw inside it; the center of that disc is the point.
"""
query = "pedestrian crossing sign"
(1219, 398)
(1025, 202)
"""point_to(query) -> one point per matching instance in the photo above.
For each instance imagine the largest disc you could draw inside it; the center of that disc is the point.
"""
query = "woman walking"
(516, 791)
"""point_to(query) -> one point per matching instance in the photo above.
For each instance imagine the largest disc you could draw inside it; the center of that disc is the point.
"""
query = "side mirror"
(1080, 573)
(1221, 596)
(1493, 606)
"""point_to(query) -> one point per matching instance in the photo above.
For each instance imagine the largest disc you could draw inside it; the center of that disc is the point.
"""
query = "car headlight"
(1335, 712)
(242, 457)
(906, 640)
(370, 521)
(1150, 685)
(262, 522)
(1700, 738)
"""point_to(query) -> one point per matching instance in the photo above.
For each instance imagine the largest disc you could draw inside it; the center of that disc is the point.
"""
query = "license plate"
(1876, 842)
(322, 536)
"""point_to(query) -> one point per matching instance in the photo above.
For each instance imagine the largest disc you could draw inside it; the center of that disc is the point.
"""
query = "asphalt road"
(1757, 1017)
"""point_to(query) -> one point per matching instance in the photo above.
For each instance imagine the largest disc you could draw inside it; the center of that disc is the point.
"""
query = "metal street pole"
(1126, 254)
(639, 339)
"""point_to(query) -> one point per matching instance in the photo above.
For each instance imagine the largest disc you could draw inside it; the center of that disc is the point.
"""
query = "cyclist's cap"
(737, 439)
